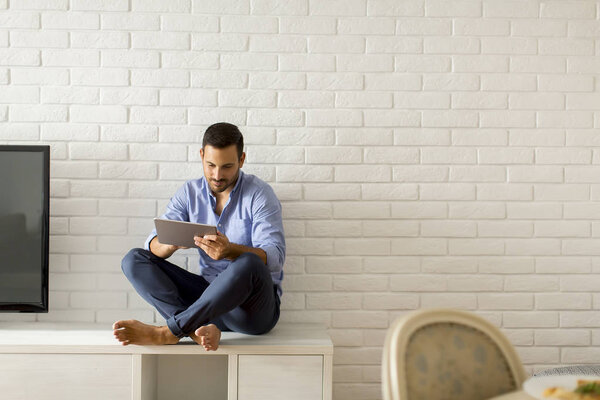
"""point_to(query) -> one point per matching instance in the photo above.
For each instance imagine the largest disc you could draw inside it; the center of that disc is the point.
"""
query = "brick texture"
(427, 153)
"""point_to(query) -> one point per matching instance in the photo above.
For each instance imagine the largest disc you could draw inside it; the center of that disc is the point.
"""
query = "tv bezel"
(42, 306)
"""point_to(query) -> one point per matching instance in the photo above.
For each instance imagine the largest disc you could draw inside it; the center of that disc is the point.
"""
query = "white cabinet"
(65, 376)
(73, 361)
(267, 377)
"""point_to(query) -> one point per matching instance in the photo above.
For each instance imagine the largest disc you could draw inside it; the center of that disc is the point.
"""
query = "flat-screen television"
(24, 224)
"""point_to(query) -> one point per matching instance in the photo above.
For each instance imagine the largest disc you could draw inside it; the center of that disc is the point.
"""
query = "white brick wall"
(427, 153)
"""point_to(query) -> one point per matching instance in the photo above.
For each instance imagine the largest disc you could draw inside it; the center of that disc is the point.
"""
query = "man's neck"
(223, 196)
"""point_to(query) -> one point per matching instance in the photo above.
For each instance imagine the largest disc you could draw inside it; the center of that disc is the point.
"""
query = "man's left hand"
(216, 246)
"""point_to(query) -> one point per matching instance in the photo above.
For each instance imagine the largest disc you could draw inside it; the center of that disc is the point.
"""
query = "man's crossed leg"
(242, 299)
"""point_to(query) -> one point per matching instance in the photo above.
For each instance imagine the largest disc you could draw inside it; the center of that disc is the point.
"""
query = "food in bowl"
(585, 390)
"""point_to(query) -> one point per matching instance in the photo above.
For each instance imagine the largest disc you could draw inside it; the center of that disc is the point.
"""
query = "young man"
(241, 268)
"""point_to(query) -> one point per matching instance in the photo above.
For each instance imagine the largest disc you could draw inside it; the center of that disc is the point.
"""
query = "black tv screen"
(24, 224)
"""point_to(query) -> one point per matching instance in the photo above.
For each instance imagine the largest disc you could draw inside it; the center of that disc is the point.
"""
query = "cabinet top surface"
(35, 337)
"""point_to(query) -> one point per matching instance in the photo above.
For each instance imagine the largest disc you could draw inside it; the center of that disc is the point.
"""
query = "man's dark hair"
(223, 134)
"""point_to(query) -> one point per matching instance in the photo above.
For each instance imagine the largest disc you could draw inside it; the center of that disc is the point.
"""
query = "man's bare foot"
(135, 332)
(207, 336)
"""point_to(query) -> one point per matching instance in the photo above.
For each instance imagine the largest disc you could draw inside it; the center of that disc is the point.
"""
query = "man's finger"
(202, 244)
(200, 239)
(206, 246)
(212, 238)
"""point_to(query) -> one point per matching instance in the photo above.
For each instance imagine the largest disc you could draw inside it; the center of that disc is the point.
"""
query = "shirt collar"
(239, 180)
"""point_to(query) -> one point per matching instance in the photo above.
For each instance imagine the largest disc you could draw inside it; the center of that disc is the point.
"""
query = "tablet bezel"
(181, 233)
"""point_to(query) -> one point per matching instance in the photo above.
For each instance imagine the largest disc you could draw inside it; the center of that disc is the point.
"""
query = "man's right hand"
(163, 250)
(176, 247)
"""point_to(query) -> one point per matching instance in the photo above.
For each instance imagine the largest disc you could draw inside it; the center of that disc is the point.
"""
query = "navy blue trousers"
(242, 298)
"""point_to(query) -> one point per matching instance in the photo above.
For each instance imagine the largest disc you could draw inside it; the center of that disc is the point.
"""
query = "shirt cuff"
(273, 258)
(147, 243)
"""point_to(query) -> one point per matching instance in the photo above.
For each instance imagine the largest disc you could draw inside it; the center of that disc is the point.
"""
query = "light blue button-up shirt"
(251, 217)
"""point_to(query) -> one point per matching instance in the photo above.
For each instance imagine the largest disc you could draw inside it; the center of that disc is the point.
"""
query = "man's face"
(221, 167)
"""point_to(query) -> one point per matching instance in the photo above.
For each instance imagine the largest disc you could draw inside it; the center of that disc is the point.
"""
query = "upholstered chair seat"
(448, 355)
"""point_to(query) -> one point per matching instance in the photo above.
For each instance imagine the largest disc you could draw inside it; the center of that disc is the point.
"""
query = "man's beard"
(218, 189)
(225, 186)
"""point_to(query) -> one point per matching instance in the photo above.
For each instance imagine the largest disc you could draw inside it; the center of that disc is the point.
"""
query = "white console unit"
(65, 361)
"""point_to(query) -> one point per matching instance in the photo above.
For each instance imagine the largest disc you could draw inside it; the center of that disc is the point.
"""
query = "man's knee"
(131, 259)
(247, 263)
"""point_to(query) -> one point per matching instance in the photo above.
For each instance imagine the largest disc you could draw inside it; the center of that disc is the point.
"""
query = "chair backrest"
(448, 354)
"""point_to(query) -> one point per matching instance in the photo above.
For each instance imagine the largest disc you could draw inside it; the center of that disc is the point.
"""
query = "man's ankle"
(167, 335)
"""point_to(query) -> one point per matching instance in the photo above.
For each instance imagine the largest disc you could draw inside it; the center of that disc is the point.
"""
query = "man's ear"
(242, 159)
(202, 154)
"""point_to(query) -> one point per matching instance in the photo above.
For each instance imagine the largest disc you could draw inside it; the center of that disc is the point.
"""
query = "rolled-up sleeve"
(177, 210)
(267, 228)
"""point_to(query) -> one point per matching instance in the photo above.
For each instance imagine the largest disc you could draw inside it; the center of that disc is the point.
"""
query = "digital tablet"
(180, 233)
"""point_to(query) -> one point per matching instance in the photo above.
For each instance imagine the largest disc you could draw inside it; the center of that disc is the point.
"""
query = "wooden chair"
(445, 354)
